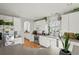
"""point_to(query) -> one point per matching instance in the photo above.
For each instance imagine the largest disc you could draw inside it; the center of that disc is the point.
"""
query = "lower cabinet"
(18, 41)
(44, 41)
(48, 42)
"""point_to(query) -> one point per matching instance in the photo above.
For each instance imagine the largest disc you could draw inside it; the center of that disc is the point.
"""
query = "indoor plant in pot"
(77, 36)
(66, 44)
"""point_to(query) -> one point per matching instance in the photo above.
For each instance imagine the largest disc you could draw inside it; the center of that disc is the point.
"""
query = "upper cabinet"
(65, 23)
(70, 22)
(74, 22)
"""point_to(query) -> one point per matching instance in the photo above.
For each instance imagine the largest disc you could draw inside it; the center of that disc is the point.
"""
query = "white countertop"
(20, 50)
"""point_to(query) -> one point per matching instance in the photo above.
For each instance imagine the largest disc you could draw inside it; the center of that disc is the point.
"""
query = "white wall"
(31, 26)
(17, 25)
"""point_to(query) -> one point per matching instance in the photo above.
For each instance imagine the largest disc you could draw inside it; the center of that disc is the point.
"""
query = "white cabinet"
(53, 42)
(74, 22)
(18, 41)
(44, 41)
(60, 44)
(9, 40)
(48, 41)
(65, 23)
(41, 26)
(70, 22)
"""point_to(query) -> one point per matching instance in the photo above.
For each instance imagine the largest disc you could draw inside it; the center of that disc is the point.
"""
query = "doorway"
(27, 26)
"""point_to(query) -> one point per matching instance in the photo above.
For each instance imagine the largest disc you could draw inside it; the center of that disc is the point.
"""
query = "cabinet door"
(18, 41)
(44, 41)
(65, 23)
(53, 43)
(74, 22)
(70, 22)
(60, 44)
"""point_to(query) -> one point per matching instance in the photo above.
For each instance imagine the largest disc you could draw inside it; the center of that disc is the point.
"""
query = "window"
(41, 26)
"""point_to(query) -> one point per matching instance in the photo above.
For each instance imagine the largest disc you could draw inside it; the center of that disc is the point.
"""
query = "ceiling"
(35, 10)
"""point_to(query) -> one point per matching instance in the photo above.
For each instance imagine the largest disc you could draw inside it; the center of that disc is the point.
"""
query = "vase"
(62, 52)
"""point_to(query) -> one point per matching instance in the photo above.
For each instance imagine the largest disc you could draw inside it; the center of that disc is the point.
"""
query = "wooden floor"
(28, 43)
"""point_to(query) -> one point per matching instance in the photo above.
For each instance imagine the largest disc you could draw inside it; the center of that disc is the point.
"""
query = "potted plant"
(8, 23)
(77, 36)
(66, 44)
(1, 22)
